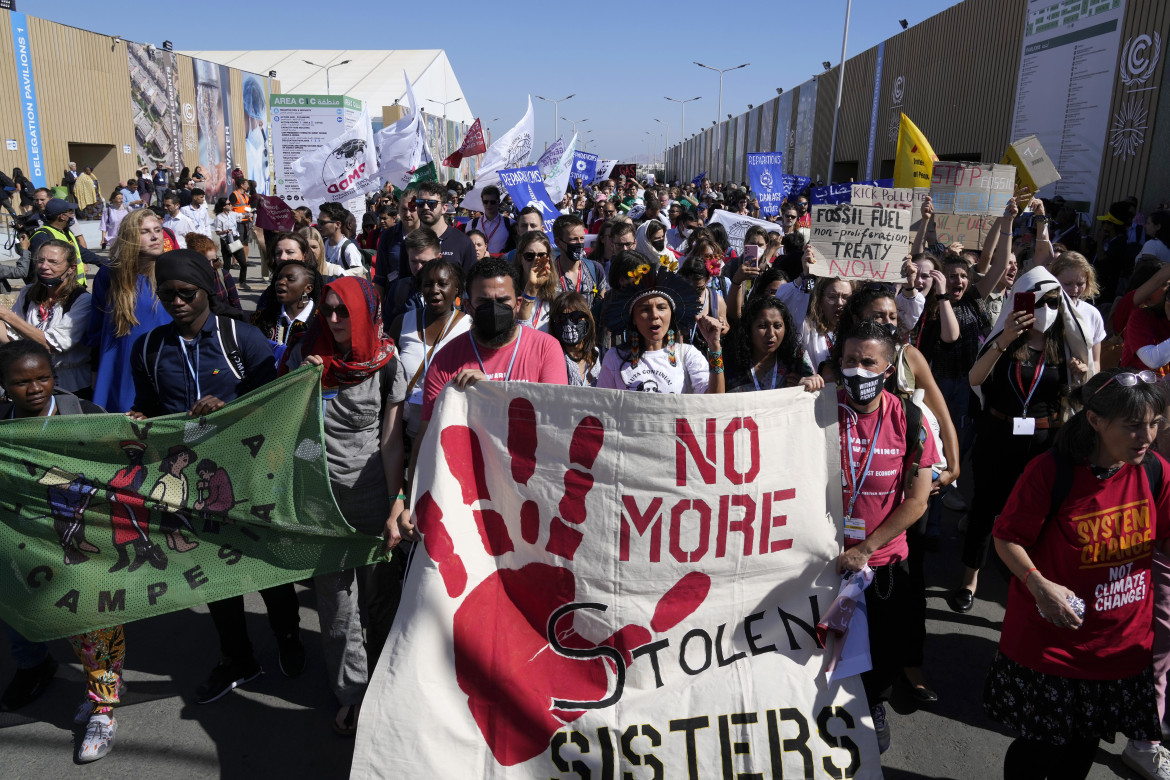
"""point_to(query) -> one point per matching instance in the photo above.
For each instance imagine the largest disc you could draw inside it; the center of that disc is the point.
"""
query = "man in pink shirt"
(883, 493)
(497, 347)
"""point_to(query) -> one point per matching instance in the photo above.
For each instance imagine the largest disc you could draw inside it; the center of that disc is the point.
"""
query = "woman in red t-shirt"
(1065, 680)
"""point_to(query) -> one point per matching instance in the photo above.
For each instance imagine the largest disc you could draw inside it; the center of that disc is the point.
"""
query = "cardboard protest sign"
(86, 502)
(842, 193)
(766, 176)
(1034, 168)
(865, 194)
(971, 188)
(737, 226)
(970, 230)
(617, 582)
(860, 242)
(526, 186)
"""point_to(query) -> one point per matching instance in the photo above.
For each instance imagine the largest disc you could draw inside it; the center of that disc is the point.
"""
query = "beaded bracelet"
(715, 361)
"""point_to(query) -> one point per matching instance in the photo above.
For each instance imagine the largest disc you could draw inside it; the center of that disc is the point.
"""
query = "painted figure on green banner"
(69, 497)
(128, 514)
(215, 495)
(169, 495)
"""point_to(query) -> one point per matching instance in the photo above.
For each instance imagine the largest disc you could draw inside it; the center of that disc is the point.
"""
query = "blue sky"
(621, 59)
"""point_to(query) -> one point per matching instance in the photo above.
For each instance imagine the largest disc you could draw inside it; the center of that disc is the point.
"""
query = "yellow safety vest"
(69, 239)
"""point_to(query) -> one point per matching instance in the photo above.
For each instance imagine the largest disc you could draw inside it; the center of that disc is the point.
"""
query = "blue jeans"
(26, 654)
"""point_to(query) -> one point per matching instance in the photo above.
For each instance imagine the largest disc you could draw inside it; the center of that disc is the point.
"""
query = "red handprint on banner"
(527, 672)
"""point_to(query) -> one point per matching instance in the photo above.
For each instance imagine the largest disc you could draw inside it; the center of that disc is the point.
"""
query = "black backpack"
(1062, 485)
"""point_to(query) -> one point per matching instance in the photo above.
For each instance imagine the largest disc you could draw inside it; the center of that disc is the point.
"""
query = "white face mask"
(1045, 318)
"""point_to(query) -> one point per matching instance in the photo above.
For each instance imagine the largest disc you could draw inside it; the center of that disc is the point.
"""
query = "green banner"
(427, 172)
(105, 520)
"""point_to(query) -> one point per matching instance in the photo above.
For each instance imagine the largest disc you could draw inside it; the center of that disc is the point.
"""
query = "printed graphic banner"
(604, 168)
(766, 176)
(26, 86)
(605, 598)
(402, 146)
(737, 226)
(213, 96)
(107, 521)
(259, 168)
(860, 242)
(584, 167)
(510, 150)
(342, 169)
(526, 186)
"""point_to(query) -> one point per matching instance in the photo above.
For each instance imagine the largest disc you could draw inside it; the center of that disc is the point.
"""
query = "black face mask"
(659, 244)
(575, 252)
(493, 319)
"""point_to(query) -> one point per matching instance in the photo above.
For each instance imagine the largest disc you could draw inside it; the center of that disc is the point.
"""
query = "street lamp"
(574, 124)
(720, 71)
(327, 68)
(683, 104)
(446, 141)
(666, 148)
(556, 111)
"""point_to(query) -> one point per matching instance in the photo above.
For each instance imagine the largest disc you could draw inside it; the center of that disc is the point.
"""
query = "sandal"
(345, 721)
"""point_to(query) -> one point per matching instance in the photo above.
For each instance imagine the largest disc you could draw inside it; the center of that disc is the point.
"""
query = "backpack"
(367, 254)
(226, 330)
(1062, 485)
(915, 446)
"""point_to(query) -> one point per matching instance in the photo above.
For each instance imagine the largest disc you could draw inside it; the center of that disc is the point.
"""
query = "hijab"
(369, 349)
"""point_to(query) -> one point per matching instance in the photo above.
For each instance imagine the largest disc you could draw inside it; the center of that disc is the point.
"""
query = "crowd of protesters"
(1030, 368)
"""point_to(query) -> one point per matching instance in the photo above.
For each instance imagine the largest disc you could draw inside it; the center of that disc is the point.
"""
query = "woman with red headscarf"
(363, 388)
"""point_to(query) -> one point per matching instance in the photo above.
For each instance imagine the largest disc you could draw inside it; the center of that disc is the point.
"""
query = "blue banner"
(526, 187)
(30, 115)
(832, 194)
(766, 177)
(794, 185)
(584, 167)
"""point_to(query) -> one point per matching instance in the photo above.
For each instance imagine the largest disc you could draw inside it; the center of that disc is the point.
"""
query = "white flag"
(556, 178)
(510, 150)
(603, 169)
(345, 167)
(402, 147)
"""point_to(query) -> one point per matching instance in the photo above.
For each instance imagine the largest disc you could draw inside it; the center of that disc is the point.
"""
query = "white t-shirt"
(909, 310)
(655, 374)
(352, 258)
(1094, 320)
(1156, 248)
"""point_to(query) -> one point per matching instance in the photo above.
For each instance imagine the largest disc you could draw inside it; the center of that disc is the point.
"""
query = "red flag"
(274, 214)
(472, 144)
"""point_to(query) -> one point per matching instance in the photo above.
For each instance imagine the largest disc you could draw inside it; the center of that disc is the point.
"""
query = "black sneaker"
(290, 655)
(224, 677)
(28, 684)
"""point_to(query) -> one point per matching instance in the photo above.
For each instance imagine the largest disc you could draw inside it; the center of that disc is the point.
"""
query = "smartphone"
(751, 255)
(1025, 302)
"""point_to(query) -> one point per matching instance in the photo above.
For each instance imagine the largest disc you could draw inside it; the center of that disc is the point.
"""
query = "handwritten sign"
(971, 188)
(970, 230)
(860, 242)
(1034, 168)
(888, 197)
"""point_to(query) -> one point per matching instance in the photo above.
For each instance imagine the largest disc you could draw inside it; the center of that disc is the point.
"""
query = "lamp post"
(556, 111)
(666, 146)
(683, 126)
(574, 124)
(446, 143)
(840, 89)
(720, 71)
(327, 68)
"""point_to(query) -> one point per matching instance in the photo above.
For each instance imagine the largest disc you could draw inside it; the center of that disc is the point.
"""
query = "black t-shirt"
(457, 248)
(1002, 390)
(954, 360)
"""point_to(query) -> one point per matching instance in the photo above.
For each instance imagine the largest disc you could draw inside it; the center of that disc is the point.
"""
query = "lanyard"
(193, 370)
(422, 336)
(775, 369)
(483, 223)
(536, 313)
(1020, 382)
(52, 408)
(580, 276)
(859, 480)
(515, 350)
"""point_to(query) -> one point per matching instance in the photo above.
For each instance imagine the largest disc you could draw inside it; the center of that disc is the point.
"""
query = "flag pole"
(840, 89)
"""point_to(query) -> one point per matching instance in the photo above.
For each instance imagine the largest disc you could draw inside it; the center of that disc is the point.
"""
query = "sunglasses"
(532, 257)
(491, 202)
(423, 202)
(328, 311)
(168, 296)
(1052, 303)
(1129, 379)
(323, 223)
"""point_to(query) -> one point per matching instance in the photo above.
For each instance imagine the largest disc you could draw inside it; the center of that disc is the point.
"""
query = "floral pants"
(102, 653)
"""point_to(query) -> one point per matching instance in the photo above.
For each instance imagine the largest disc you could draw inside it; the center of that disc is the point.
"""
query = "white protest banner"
(604, 168)
(344, 168)
(970, 230)
(888, 197)
(637, 596)
(510, 150)
(1034, 168)
(402, 147)
(556, 174)
(860, 242)
(737, 226)
(971, 188)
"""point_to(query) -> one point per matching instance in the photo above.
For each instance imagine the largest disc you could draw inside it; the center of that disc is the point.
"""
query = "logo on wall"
(896, 95)
(1139, 63)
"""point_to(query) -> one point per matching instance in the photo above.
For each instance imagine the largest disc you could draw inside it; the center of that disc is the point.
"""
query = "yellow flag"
(914, 160)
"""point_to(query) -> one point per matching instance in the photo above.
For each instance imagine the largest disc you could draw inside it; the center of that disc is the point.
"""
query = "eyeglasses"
(1129, 379)
(423, 202)
(323, 223)
(168, 296)
(627, 244)
(532, 257)
(328, 311)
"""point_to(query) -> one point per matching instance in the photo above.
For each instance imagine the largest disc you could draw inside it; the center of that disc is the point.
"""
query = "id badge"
(416, 396)
(855, 528)
(1023, 426)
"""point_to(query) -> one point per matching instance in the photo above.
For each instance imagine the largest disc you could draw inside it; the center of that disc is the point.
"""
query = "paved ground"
(279, 727)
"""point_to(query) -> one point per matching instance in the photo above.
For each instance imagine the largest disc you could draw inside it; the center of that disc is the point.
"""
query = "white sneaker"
(1152, 763)
(99, 738)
